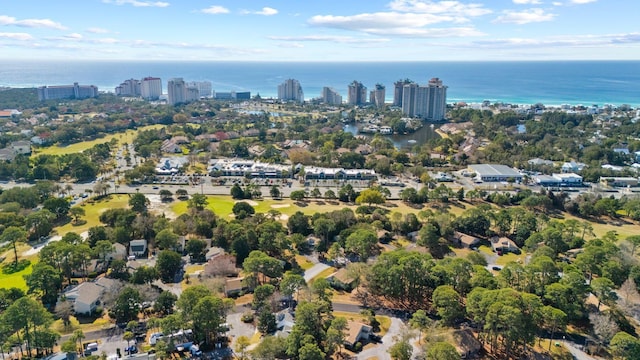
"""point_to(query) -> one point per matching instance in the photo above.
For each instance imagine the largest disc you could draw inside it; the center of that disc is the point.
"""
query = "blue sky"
(320, 30)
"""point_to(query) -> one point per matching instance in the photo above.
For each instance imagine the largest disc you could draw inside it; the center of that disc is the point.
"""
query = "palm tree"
(69, 188)
(78, 336)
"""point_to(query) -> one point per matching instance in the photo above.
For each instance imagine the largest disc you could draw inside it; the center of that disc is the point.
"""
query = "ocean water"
(548, 82)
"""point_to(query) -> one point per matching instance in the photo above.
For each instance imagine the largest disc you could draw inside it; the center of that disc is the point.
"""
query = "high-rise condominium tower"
(331, 96)
(357, 93)
(427, 102)
(177, 91)
(397, 91)
(378, 95)
(151, 88)
(290, 90)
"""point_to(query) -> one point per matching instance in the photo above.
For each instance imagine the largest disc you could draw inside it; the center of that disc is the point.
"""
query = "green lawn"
(486, 249)
(599, 229)
(222, 205)
(509, 257)
(93, 211)
(122, 137)
(16, 279)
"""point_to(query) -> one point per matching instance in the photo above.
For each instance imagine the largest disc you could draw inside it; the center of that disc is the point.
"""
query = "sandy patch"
(250, 202)
(158, 207)
(283, 217)
(280, 206)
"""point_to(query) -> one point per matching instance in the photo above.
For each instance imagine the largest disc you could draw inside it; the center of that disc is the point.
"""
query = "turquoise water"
(549, 82)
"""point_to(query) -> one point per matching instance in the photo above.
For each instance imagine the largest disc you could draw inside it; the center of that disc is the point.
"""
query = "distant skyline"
(329, 30)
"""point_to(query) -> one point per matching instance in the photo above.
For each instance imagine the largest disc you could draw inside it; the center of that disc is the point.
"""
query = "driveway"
(314, 271)
(577, 353)
(380, 351)
(175, 288)
(237, 328)
(36, 249)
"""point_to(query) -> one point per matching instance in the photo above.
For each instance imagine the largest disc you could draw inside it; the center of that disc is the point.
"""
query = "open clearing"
(121, 137)
(93, 211)
(16, 279)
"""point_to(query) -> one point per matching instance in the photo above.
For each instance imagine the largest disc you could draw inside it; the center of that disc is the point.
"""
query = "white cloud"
(215, 9)
(527, 2)
(266, 11)
(581, 41)
(524, 17)
(381, 20)
(395, 24)
(16, 36)
(31, 23)
(410, 18)
(74, 36)
(329, 38)
(96, 30)
(105, 41)
(138, 3)
(579, 2)
(291, 45)
(557, 3)
(454, 8)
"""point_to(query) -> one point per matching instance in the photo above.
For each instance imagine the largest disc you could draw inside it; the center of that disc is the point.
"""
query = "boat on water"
(432, 126)
(411, 141)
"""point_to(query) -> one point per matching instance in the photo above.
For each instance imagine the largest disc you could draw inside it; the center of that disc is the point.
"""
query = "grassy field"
(122, 137)
(507, 258)
(17, 279)
(93, 211)
(222, 205)
(303, 262)
(599, 229)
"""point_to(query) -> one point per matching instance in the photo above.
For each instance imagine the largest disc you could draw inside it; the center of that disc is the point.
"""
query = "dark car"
(131, 349)
(375, 338)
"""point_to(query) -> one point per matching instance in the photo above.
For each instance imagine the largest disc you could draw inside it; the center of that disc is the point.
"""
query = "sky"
(320, 30)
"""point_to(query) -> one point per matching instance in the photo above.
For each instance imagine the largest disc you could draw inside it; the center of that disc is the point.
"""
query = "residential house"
(572, 167)
(364, 149)
(180, 140)
(7, 154)
(357, 331)
(138, 247)
(235, 286)
(168, 146)
(256, 150)
(285, 322)
(251, 133)
(21, 147)
(86, 296)
(207, 137)
(504, 245)
(465, 240)
(213, 252)
(342, 280)
(41, 139)
(612, 167)
(119, 252)
(621, 150)
(540, 162)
